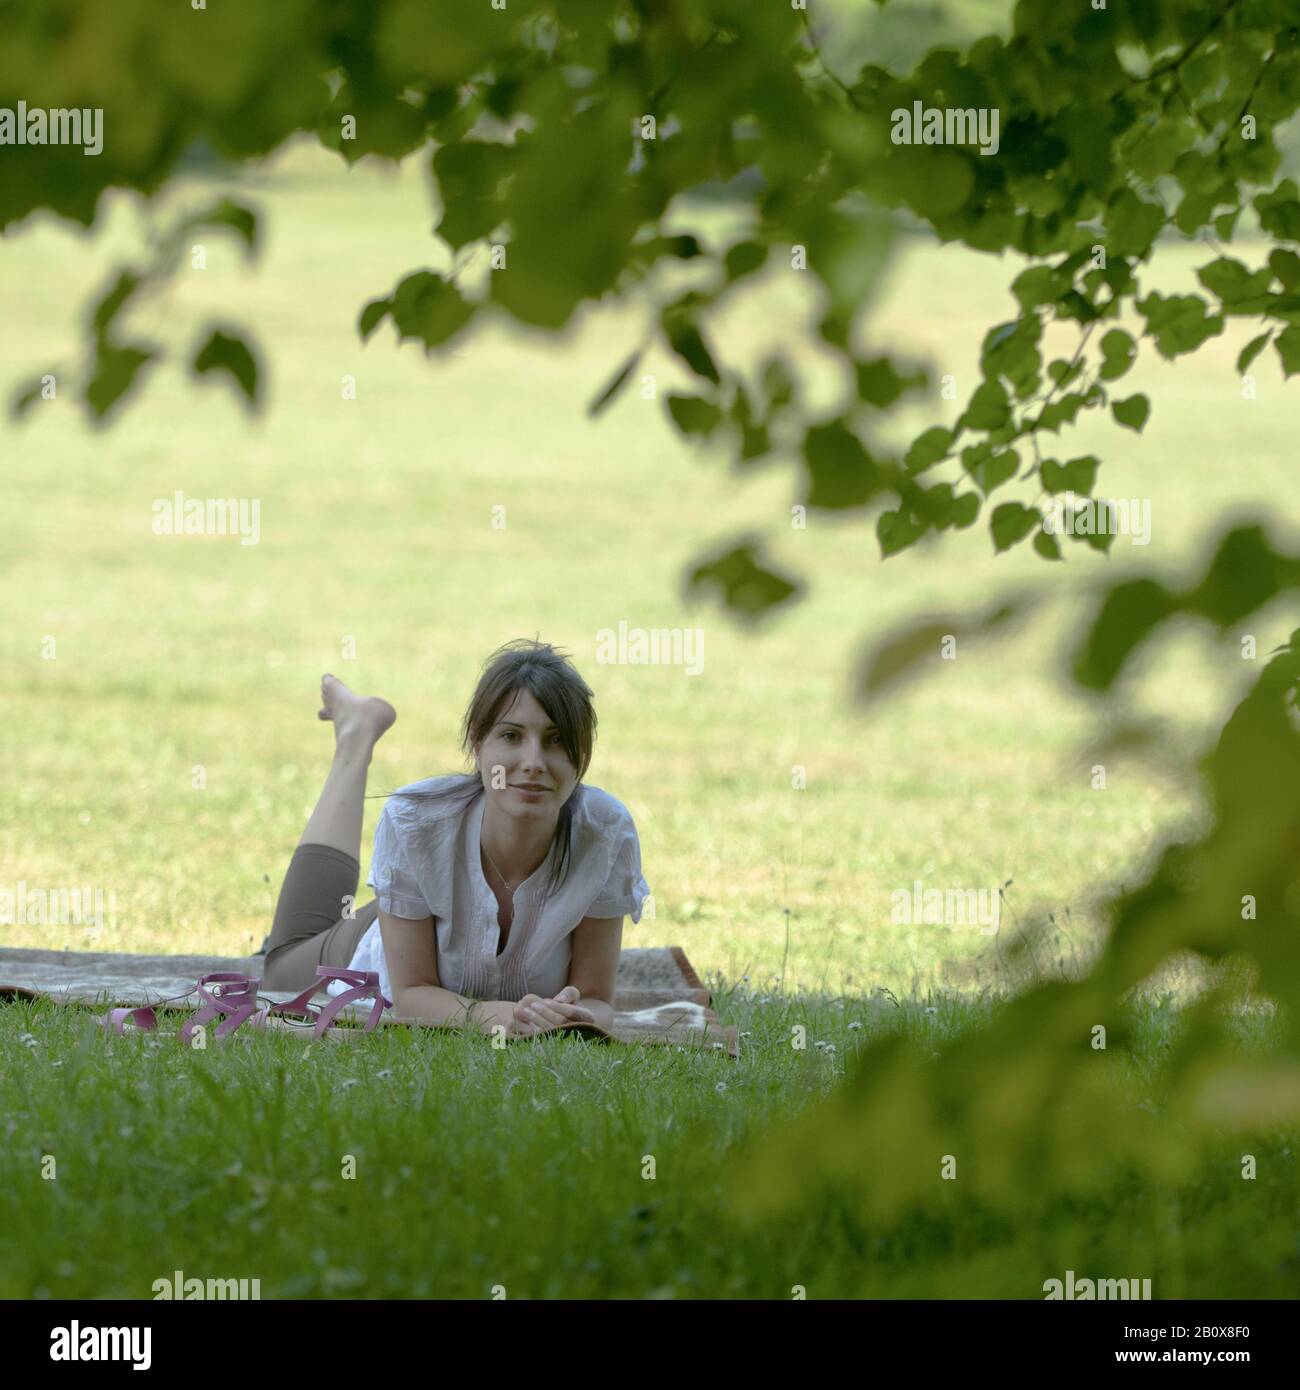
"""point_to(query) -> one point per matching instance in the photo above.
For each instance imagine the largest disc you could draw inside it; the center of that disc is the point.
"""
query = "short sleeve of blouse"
(391, 876)
(625, 890)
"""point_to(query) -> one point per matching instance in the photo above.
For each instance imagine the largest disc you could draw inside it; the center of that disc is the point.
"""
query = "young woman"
(500, 894)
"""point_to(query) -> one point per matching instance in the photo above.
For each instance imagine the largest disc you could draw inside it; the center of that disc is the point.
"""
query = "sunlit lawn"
(417, 1164)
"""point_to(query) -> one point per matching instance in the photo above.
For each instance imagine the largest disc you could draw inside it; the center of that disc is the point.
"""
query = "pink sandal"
(235, 995)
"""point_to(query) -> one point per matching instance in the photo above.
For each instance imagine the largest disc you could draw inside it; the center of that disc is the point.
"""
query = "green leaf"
(1132, 412)
(694, 416)
(1156, 150)
(1252, 350)
(106, 310)
(1062, 371)
(1178, 323)
(1286, 266)
(1131, 224)
(1240, 290)
(1012, 522)
(1040, 284)
(116, 369)
(1226, 223)
(897, 530)
(1047, 546)
(880, 384)
(1011, 350)
(1130, 611)
(1288, 349)
(992, 472)
(225, 353)
(965, 508)
(988, 408)
(241, 220)
(1242, 577)
(372, 315)
(744, 258)
(1078, 475)
(684, 247)
(928, 448)
(685, 340)
(842, 472)
(898, 655)
(429, 309)
(1279, 211)
(1193, 212)
(749, 586)
(470, 174)
(615, 384)
(1118, 354)
(1117, 343)
(1059, 412)
(1197, 173)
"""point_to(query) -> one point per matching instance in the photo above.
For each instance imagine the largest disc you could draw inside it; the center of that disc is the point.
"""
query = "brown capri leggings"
(309, 928)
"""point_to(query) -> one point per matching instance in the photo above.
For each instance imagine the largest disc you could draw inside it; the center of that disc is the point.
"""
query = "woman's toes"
(354, 716)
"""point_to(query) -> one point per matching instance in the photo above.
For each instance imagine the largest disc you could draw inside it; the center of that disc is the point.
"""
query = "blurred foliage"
(563, 130)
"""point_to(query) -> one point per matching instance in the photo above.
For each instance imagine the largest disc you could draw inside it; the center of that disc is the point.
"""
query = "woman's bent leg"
(312, 924)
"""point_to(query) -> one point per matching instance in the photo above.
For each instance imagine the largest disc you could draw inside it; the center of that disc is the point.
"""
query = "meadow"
(164, 748)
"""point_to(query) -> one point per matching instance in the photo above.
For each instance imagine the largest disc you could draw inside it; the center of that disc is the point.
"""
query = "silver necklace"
(500, 875)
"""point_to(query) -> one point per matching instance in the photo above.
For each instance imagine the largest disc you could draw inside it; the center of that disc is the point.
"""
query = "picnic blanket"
(658, 998)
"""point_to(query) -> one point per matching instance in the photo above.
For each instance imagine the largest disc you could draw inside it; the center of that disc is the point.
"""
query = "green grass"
(523, 1167)
(376, 525)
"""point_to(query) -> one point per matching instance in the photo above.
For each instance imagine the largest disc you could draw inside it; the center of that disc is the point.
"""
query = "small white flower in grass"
(932, 1011)
(854, 1024)
(56, 1064)
(387, 1071)
(30, 1039)
(721, 1086)
(351, 1081)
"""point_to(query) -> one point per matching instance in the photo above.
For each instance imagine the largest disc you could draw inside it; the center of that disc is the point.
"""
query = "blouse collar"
(481, 885)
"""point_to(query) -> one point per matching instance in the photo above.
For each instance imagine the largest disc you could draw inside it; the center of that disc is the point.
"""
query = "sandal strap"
(238, 1004)
(366, 983)
(142, 1016)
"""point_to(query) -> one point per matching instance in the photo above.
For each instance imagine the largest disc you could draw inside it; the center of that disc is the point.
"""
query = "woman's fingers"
(547, 1012)
(575, 1012)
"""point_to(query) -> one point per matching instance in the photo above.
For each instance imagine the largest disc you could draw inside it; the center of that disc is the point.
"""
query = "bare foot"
(356, 718)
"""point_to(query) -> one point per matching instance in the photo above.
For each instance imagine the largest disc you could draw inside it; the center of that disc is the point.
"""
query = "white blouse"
(426, 863)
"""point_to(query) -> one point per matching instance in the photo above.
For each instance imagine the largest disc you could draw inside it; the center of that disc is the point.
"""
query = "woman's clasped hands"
(533, 1014)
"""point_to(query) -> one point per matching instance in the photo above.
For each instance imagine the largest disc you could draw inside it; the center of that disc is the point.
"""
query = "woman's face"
(523, 747)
